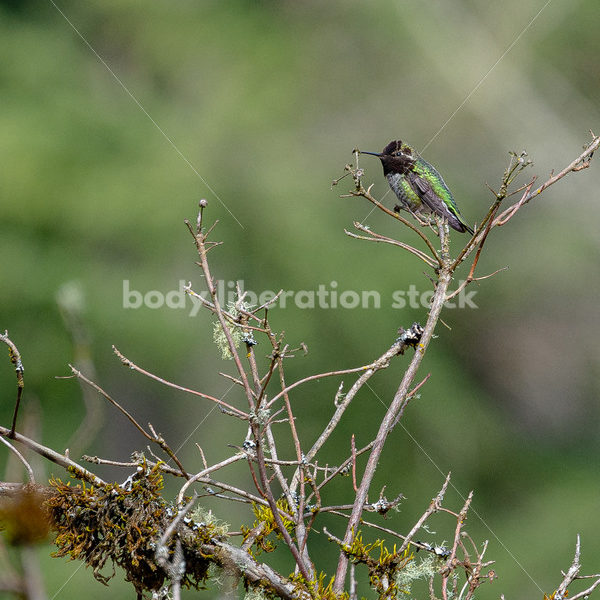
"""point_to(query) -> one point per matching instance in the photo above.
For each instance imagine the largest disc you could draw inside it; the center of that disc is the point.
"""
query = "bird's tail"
(458, 223)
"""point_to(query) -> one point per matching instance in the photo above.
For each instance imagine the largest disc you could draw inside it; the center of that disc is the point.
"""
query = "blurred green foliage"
(110, 138)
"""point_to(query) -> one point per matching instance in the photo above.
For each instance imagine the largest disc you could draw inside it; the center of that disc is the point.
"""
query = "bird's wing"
(424, 190)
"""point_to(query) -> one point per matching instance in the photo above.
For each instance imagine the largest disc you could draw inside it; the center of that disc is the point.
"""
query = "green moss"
(320, 588)
(121, 526)
(384, 569)
(265, 519)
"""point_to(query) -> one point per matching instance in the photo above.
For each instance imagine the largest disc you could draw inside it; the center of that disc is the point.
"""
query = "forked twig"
(153, 436)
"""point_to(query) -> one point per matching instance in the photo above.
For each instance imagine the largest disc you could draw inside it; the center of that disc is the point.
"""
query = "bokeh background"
(117, 116)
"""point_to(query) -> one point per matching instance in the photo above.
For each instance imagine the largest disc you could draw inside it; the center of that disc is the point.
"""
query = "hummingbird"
(418, 185)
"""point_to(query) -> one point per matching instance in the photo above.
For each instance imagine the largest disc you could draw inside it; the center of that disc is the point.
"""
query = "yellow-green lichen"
(235, 331)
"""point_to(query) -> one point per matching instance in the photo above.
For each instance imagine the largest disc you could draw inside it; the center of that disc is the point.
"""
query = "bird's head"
(396, 157)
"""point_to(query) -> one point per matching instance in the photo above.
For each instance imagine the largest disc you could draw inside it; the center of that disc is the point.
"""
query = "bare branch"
(202, 474)
(394, 411)
(434, 506)
(55, 457)
(153, 436)
(450, 563)
(15, 359)
(19, 456)
(376, 237)
(79, 375)
(581, 162)
(360, 191)
(571, 574)
(131, 365)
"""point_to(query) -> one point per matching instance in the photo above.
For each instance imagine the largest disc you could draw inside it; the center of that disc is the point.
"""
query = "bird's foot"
(424, 222)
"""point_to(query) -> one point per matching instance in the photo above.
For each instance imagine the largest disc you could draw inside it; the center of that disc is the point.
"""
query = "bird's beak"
(371, 153)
